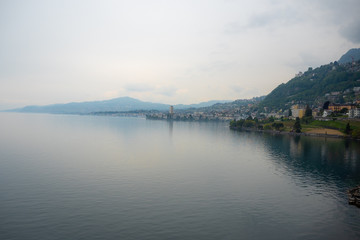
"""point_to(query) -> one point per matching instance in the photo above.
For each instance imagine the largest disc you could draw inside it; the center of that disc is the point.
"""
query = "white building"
(326, 113)
(356, 89)
(354, 113)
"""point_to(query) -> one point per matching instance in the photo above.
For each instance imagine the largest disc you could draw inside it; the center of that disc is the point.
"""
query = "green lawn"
(337, 124)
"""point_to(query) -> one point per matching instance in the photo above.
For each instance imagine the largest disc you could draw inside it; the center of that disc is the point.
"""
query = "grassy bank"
(333, 127)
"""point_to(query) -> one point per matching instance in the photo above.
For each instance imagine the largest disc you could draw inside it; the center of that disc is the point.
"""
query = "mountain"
(237, 104)
(121, 104)
(202, 104)
(117, 104)
(332, 82)
(352, 54)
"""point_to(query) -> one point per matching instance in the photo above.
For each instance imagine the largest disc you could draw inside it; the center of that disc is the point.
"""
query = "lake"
(88, 177)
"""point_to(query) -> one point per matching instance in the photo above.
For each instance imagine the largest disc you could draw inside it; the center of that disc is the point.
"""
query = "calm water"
(84, 177)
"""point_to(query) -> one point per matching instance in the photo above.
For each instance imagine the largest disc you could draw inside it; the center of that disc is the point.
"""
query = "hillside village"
(342, 103)
(349, 110)
(321, 101)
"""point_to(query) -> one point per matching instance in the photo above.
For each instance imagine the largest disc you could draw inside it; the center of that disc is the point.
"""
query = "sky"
(171, 51)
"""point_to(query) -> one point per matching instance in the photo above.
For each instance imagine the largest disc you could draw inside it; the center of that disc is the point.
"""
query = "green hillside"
(328, 82)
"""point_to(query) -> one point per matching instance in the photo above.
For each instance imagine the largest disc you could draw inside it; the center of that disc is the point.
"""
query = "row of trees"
(249, 123)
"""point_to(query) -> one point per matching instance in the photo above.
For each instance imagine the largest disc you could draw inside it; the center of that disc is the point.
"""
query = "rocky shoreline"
(354, 196)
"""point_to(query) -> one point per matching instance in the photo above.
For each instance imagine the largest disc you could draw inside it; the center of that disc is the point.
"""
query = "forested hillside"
(334, 80)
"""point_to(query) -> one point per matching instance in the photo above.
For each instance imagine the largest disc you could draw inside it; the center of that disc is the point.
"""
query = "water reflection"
(322, 158)
(124, 178)
(171, 128)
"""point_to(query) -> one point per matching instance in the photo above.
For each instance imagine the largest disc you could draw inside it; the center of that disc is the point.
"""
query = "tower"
(171, 112)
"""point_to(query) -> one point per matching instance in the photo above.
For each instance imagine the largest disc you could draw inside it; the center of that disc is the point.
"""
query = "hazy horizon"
(115, 98)
(178, 52)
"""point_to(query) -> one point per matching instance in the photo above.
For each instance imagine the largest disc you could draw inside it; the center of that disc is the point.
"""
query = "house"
(338, 107)
(297, 111)
(327, 113)
(315, 112)
(354, 113)
(356, 89)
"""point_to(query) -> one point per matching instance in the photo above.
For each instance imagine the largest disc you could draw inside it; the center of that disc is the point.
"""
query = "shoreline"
(294, 133)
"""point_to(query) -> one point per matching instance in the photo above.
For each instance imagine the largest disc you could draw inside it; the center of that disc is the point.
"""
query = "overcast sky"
(171, 51)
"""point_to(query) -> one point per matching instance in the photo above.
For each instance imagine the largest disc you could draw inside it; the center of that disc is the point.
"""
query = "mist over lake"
(91, 177)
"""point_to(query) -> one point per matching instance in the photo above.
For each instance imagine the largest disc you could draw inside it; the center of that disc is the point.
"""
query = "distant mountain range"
(122, 104)
(338, 81)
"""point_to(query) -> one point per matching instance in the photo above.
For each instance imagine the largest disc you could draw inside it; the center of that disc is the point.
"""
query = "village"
(323, 113)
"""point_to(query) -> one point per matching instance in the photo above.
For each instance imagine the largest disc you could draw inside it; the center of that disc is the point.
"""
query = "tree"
(297, 125)
(249, 124)
(240, 123)
(344, 110)
(307, 118)
(290, 112)
(341, 100)
(308, 111)
(277, 126)
(347, 128)
(326, 105)
(237, 124)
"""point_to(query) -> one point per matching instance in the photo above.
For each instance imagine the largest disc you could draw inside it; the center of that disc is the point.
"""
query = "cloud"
(320, 14)
(111, 94)
(173, 52)
(218, 66)
(165, 90)
(303, 60)
(278, 17)
(245, 92)
(157, 89)
(168, 91)
(343, 14)
(351, 31)
(138, 87)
